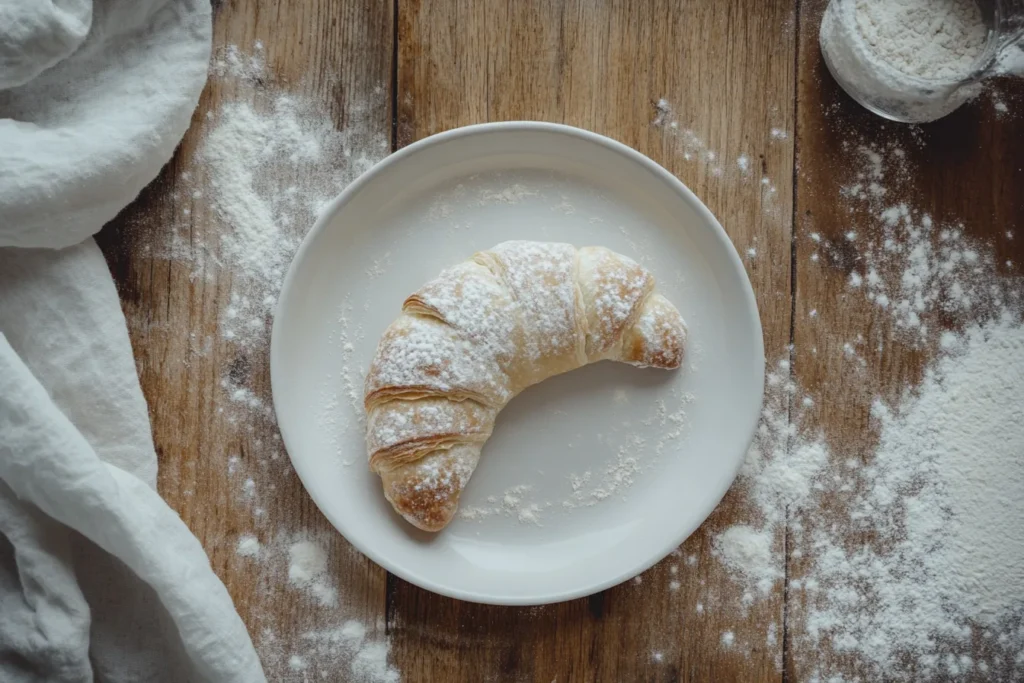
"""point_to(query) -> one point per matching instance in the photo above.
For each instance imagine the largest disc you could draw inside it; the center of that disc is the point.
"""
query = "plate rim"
(332, 208)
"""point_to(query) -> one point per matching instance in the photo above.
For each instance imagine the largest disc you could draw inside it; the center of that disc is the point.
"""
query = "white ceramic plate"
(661, 448)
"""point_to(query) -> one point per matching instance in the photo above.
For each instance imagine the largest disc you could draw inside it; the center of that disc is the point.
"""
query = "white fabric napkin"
(99, 578)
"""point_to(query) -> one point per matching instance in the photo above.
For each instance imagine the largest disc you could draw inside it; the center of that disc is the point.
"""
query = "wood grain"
(964, 169)
(727, 70)
(336, 56)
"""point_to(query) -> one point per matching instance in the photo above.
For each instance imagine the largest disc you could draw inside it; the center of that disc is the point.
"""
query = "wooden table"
(733, 70)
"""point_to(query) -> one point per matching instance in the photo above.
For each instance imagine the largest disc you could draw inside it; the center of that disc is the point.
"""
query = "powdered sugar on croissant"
(481, 332)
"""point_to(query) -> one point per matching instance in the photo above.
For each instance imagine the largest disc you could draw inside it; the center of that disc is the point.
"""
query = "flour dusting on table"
(307, 569)
(253, 147)
(905, 548)
(738, 172)
(256, 145)
(321, 644)
(943, 495)
(912, 268)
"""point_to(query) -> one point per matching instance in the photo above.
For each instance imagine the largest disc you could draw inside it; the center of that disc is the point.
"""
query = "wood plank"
(727, 69)
(337, 56)
(963, 169)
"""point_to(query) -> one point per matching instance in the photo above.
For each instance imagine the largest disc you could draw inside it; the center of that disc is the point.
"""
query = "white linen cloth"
(99, 579)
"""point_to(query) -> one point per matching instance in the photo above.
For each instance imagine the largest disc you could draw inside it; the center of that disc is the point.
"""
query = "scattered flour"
(781, 476)
(307, 569)
(942, 496)
(747, 552)
(248, 546)
(911, 556)
(321, 647)
(367, 660)
(916, 271)
(511, 503)
(692, 148)
(268, 160)
(343, 651)
(246, 152)
(232, 62)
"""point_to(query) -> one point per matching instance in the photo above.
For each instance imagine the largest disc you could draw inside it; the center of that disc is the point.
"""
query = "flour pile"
(934, 39)
(780, 477)
(307, 569)
(268, 162)
(247, 155)
(905, 549)
(943, 497)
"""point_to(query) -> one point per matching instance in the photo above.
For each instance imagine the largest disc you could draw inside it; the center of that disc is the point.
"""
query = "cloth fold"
(99, 579)
(50, 464)
(81, 139)
(37, 35)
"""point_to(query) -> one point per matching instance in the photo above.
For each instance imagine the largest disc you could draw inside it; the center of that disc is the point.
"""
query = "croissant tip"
(427, 509)
(428, 522)
(426, 525)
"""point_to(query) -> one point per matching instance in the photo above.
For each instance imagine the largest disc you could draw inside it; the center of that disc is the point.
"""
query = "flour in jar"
(905, 59)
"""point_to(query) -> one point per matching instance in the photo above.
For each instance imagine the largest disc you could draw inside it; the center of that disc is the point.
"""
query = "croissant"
(481, 332)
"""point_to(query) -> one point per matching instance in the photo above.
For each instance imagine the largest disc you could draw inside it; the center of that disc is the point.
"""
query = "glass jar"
(885, 89)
